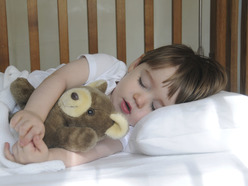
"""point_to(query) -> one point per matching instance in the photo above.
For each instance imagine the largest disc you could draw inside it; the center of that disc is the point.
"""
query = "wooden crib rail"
(224, 43)
(92, 26)
(4, 47)
(223, 34)
(33, 34)
(244, 49)
(92, 29)
(177, 21)
(63, 30)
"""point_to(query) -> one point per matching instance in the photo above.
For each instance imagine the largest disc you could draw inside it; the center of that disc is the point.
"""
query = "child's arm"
(104, 148)
(38, 152)
(29, 122)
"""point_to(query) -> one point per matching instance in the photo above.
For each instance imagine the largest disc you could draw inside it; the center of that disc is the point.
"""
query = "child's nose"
(140, 100)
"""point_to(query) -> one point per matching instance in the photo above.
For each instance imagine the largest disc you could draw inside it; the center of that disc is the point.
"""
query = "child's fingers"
(24, 140)
(23, 128)
(39, 144)
(29, 135)
(25, 133)
(7, 152)
(15, 120)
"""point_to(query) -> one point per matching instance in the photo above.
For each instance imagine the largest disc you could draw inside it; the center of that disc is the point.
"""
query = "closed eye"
(141, 83)
(143, 86)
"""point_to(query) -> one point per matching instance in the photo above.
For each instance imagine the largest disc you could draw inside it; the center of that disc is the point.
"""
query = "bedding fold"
(7, 104)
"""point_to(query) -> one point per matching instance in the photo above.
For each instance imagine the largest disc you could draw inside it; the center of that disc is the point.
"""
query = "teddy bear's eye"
(91, 112)
(74, 96)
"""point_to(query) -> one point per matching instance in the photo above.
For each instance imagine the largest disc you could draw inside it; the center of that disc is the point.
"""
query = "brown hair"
(196, 76)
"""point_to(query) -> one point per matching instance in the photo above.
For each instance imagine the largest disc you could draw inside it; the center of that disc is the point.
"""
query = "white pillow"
(214, 124)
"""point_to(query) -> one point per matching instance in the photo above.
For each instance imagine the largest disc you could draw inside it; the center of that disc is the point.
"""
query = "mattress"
(125, 169)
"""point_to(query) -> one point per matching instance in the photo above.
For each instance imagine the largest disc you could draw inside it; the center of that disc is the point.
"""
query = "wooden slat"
(244, 49)
(33, 34)
(246, 52)
(4, 49)
(212, 29)
(234, 45)
(176, 21)
(220, 34)
(218, 30)
(63, 31)
(246, 64)
(149, 24)
(221, 25)
(92, 26)
(121, 29)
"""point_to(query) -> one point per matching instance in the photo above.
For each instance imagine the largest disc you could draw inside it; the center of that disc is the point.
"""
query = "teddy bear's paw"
(77, 139)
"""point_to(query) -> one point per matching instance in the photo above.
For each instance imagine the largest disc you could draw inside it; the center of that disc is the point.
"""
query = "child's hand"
(35, 151)
(28, 125)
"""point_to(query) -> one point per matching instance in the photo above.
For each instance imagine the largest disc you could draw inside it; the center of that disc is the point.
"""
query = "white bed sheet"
(123, 169)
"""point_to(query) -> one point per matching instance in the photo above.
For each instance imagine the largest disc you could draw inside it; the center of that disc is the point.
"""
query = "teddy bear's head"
(80, 118)
(88, 106)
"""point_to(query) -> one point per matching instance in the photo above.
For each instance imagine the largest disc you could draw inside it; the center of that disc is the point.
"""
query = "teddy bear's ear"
(120, 127)
(99, 84)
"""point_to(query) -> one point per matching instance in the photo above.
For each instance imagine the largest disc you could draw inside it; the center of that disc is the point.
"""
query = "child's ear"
(135, 63)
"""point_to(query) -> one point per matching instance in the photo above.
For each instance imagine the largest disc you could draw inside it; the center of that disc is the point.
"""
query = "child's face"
(141, 91)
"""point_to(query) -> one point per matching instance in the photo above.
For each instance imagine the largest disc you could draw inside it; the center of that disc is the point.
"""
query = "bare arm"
(102, 149)
(44, 97)
(29, 122)
(38, 152)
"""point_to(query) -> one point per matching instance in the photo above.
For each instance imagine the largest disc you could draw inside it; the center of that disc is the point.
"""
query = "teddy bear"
(80, 118)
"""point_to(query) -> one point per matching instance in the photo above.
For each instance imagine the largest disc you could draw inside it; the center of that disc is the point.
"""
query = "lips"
(126, 107)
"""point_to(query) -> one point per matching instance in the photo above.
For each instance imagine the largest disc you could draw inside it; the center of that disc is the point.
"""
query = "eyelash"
(143, 86)
(141, 83)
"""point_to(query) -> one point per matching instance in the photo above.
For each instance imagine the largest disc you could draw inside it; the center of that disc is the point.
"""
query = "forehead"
(159, 75)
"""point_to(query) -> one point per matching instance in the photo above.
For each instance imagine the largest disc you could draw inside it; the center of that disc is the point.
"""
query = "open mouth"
(126, 107)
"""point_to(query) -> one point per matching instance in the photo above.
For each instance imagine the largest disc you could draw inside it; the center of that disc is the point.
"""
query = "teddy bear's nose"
(74, 96)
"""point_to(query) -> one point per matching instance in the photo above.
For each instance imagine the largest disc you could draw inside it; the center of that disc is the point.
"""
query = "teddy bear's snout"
(74, 96)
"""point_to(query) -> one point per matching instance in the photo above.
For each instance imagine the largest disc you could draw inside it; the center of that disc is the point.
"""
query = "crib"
(228, 34)
(226, 40)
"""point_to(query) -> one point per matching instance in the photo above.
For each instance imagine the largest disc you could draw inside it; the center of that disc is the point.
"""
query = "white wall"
(78, 41)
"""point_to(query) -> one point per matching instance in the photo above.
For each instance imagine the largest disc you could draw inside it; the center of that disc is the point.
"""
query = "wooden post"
(121, 29)
(63, 31)
(92, 26)
(4, 48)
(176, 21)
(33, 34)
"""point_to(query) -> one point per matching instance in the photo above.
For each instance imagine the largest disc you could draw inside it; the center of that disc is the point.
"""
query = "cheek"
(135, 117)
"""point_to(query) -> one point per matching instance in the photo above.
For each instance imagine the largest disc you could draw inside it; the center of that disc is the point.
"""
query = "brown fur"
(72, 133)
